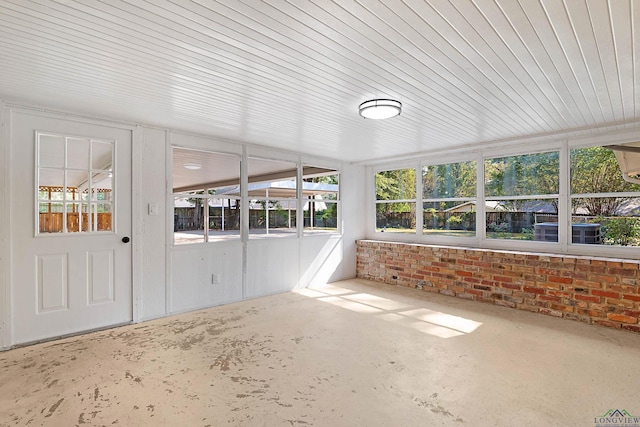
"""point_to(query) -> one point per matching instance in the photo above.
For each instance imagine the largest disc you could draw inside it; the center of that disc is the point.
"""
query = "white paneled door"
(70, 226)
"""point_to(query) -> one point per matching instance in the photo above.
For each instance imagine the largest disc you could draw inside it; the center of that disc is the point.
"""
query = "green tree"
(331, 210)
(527, 174)
(596, 170)
(399, 184)
(449, 180)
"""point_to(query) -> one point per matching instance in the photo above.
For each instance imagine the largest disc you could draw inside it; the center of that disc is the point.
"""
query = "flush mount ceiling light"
(380, 109)
(192, 166)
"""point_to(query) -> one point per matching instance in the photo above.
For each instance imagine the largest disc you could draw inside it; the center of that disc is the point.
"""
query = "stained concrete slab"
(353, 353)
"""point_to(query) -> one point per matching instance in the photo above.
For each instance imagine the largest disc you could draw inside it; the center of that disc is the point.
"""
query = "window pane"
(257, 216)
(606, 220)
(56, 193)
(206, 187)
(321, 182)
(282, 216)
(522, 219)
(50, 184)
(321, 192)
(102, 184)
(78, 153)
(102, 216)
(273, 189)
(68, 178)
(397, 184)
(603, 217)
(101, 155)
(449, 218)
(224, 219)
(396, 217)
(87, 223)
(77, 182)
(320, 215)
(272, 179)
(272, 218)
(73, 218)
(527, 174)
(188, 220)
(50, 217)
(51, 151)
(50, 193)
(597, 170)
(449, 180)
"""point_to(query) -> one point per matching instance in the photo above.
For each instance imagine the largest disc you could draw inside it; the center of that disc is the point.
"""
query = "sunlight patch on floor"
(424, 327)
(376, 301)
(448, 321)
(350, 305)
(420, 319)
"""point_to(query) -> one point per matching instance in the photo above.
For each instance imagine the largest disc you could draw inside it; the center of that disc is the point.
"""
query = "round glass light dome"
(380, 109)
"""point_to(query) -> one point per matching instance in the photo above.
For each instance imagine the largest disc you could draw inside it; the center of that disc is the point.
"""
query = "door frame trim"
(137, 218)
(6, 266)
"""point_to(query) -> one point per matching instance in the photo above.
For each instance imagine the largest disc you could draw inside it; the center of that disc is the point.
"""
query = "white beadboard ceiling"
(291, 74)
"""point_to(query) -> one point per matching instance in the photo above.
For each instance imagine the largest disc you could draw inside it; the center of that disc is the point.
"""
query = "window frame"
(418, 189)
(255, 236)
(561, 144)
(308, 232)
(446, 161)
(589, 249)
(244, 153)
(173, 196)
(551, 196)
(90, 203)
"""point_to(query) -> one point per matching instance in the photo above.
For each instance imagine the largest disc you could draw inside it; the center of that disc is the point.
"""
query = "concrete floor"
(353, 353)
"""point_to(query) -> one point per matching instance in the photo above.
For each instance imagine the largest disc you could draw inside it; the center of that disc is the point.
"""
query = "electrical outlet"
(215, 279)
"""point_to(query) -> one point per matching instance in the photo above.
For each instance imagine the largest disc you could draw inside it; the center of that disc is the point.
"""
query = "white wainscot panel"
(151, 240)
(272, 266)
(320, 259)
(52, 282)
(100, 274)
(195, 269)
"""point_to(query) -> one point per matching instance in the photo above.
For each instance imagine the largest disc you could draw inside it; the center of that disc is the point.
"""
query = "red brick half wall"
(591, 290)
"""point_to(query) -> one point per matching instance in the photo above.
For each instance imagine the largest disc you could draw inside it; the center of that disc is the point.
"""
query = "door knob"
(126, 240)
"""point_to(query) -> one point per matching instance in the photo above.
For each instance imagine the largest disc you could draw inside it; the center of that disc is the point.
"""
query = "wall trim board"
(137, 213)
(169, 221)
(5, 248)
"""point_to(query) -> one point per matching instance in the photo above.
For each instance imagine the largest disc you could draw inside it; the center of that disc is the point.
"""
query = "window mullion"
(481, 223)
(419, 206)
(564, 202)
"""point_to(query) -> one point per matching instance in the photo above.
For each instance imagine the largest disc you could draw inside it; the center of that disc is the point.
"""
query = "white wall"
(190, 283)
(168, 279)
(263, 266)
(272, 266)
(326, 259)
(149, 169)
